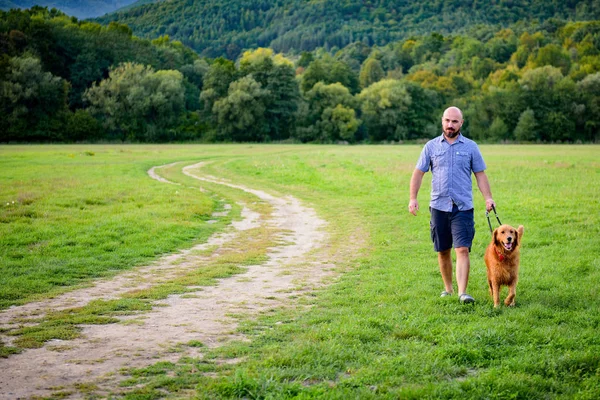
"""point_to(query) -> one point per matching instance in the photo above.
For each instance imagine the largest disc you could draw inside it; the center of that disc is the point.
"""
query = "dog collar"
(500, 255)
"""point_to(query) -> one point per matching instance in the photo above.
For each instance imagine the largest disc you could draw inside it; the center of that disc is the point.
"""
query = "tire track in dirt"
(203, 316)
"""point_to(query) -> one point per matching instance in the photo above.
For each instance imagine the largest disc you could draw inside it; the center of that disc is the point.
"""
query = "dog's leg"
(512, 292)
(496, 293)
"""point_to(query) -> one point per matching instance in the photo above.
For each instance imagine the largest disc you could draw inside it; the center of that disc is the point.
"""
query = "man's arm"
(484, 188)
(415, 185)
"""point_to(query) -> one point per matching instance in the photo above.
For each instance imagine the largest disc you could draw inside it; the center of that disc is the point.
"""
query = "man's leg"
(463, 231)
(463, 265)
(445, 262)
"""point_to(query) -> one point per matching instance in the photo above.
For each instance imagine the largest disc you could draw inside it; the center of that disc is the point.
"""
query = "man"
(451, 158)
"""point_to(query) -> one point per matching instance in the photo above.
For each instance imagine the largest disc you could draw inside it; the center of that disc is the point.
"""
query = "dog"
(502, 262)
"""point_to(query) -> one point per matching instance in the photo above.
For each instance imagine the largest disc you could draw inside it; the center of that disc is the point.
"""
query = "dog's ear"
(517, 238)
(496, 237)
(519, 235)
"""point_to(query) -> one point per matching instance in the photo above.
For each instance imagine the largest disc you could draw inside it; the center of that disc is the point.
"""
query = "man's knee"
(462, 251)
(445, 253)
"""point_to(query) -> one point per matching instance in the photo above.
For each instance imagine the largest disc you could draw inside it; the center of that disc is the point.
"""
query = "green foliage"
(370, 73)
(305, 59)
(552, 55)
(214, 28)
(384, 106)
(277, 76)
(241, 114)
(590, 91)
(216, 82)
(494, 73)
(329, 116)
(136, 103)
(339, 123)
(82, 52)
(31, 102)
(498, 130)
(81, 126)
(526, 130)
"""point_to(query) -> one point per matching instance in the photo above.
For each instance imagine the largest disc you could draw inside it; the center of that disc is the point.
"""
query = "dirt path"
(204, 315)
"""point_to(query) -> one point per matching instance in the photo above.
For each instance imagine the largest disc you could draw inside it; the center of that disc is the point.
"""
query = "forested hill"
(75, 8)
(224, 28)
(62, 79)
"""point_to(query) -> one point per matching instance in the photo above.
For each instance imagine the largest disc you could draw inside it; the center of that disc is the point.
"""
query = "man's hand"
(415, 184)
(413, 207)
(489, 204)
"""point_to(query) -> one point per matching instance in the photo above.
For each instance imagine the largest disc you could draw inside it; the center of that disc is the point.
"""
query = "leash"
(487, 214)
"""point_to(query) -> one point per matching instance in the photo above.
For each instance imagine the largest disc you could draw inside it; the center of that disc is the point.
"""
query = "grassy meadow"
(72, 214)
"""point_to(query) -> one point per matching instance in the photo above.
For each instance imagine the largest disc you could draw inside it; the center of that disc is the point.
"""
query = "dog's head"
(507, 237)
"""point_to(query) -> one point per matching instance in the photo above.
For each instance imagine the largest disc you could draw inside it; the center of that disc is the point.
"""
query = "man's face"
(451, 123)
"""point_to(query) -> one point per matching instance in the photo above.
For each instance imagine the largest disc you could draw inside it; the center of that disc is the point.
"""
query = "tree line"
(65, 80)
(215, 28)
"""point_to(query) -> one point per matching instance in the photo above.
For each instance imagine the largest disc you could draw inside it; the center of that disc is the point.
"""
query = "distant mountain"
(224, 28)
(7, 5)
(81, 9)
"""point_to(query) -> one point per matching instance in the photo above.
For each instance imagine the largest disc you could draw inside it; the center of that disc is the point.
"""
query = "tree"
(422, 112)
(552, 97)
(500, 49)
(339, 123)
(216, 83)
(305, 59)
(241, 114)
(275, 74)
(590, 92)
(342, 73)
(552, 55)
(82, 126)
(319, 121)
(370, 72)
(32, 102)
(328, 70)
(481, 68)
(195, 72)
(526, 130)
(136, 103)
(466, 48)
(384, 106)
(428, 48)
(498, 130)
(316, 72)
(560, 127)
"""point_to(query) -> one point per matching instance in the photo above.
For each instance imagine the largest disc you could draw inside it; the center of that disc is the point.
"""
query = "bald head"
(452, 121)
(453, 110)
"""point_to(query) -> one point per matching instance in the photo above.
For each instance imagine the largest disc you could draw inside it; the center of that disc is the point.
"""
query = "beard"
(451, 134)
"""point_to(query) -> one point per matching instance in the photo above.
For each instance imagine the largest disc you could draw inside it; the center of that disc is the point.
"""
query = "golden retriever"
(502, 262)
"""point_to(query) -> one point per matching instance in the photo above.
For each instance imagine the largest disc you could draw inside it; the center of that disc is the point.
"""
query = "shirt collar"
(458, 139)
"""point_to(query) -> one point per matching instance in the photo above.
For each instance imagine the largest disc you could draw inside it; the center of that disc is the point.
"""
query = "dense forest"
(62, 79)
(75, 8)
(215, 28)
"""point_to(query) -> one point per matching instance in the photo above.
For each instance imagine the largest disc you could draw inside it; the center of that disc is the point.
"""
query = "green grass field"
(381, 330)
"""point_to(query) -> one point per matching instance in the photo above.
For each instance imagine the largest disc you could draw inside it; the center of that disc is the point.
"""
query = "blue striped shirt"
(451, 166)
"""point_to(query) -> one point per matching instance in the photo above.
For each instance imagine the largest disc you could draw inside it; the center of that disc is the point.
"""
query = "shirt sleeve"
(478, 164)
(424, 160)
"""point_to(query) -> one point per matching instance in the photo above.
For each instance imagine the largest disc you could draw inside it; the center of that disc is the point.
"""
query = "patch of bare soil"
(206, 315)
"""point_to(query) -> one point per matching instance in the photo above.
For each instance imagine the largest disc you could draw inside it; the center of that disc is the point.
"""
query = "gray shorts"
(452, 228)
